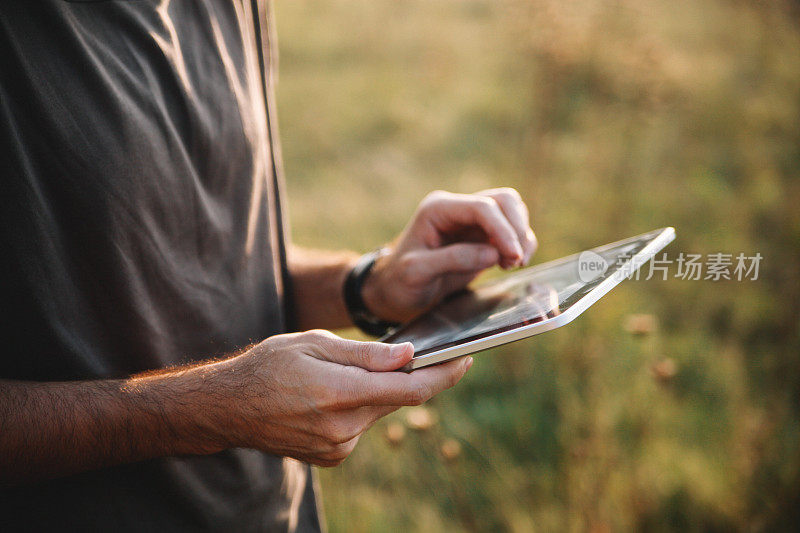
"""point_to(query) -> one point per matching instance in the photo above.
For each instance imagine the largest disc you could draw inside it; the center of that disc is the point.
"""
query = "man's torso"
(141, 228)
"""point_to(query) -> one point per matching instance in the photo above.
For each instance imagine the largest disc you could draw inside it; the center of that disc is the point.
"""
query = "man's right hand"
(306, 395)
(312, 395)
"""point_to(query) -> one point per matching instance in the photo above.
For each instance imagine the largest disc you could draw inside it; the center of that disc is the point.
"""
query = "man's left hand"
(451, 238)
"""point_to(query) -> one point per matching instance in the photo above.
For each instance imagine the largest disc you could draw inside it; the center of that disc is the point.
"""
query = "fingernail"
(468, 363)
(488, 256)
(399, 349)
(519, 257)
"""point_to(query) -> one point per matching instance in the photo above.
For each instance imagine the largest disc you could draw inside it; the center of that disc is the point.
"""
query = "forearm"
(53, 429)
(317, 282)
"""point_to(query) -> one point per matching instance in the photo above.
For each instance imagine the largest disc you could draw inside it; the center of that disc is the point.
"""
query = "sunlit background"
(669, 405)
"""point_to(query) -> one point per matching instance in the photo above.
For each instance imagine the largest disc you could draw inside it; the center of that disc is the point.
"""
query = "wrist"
(372, 293)
(194, 407)
(363, 297)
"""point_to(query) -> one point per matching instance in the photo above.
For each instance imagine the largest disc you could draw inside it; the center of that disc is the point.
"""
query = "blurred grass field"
(611, 119)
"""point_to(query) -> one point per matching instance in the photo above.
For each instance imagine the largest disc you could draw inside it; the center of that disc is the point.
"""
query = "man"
(147, 380)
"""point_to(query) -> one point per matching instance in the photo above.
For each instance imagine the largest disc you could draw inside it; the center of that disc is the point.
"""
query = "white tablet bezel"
(663, 237)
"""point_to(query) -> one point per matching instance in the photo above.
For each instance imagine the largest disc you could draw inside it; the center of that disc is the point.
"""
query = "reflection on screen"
(524, 297)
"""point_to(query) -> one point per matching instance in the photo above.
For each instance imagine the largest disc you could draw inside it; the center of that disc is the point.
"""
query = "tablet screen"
(522, 298)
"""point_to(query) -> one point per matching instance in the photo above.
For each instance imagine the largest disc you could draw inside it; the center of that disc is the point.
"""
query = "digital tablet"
(526, 302)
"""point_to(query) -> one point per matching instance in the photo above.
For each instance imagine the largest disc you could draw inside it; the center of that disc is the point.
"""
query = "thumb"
(374, 356)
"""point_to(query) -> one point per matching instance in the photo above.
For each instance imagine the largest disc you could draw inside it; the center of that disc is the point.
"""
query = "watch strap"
(361, 316)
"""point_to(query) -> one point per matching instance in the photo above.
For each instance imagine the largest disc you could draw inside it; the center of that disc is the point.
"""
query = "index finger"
(516, 211)
(449, 212)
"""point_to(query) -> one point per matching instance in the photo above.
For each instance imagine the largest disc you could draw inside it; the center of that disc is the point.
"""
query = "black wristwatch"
(362, 317)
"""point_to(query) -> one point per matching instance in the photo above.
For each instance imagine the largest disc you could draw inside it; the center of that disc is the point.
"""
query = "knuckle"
(315, 335)
(415, 398)
(409, 270)
(426, 392)
(281, 341)
(338, 453)
(436, 200)
(326, 399)
(435, 196)
(509, 192)
(338, 437)
(406, 263)
(363, 352)
(327, 335)
(431, 199)
(330, 432)
(321, 339)
(264, 349)
(454, 378)
(485, 205)
(418, 395)
(338, 433)
(464, 257)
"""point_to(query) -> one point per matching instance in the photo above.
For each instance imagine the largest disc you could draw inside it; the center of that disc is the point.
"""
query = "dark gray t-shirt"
(141, 227)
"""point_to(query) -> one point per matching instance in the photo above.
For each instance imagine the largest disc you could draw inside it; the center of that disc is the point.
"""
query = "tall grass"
(611, 118)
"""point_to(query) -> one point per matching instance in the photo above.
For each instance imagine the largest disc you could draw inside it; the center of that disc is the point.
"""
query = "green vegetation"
(611, 118)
